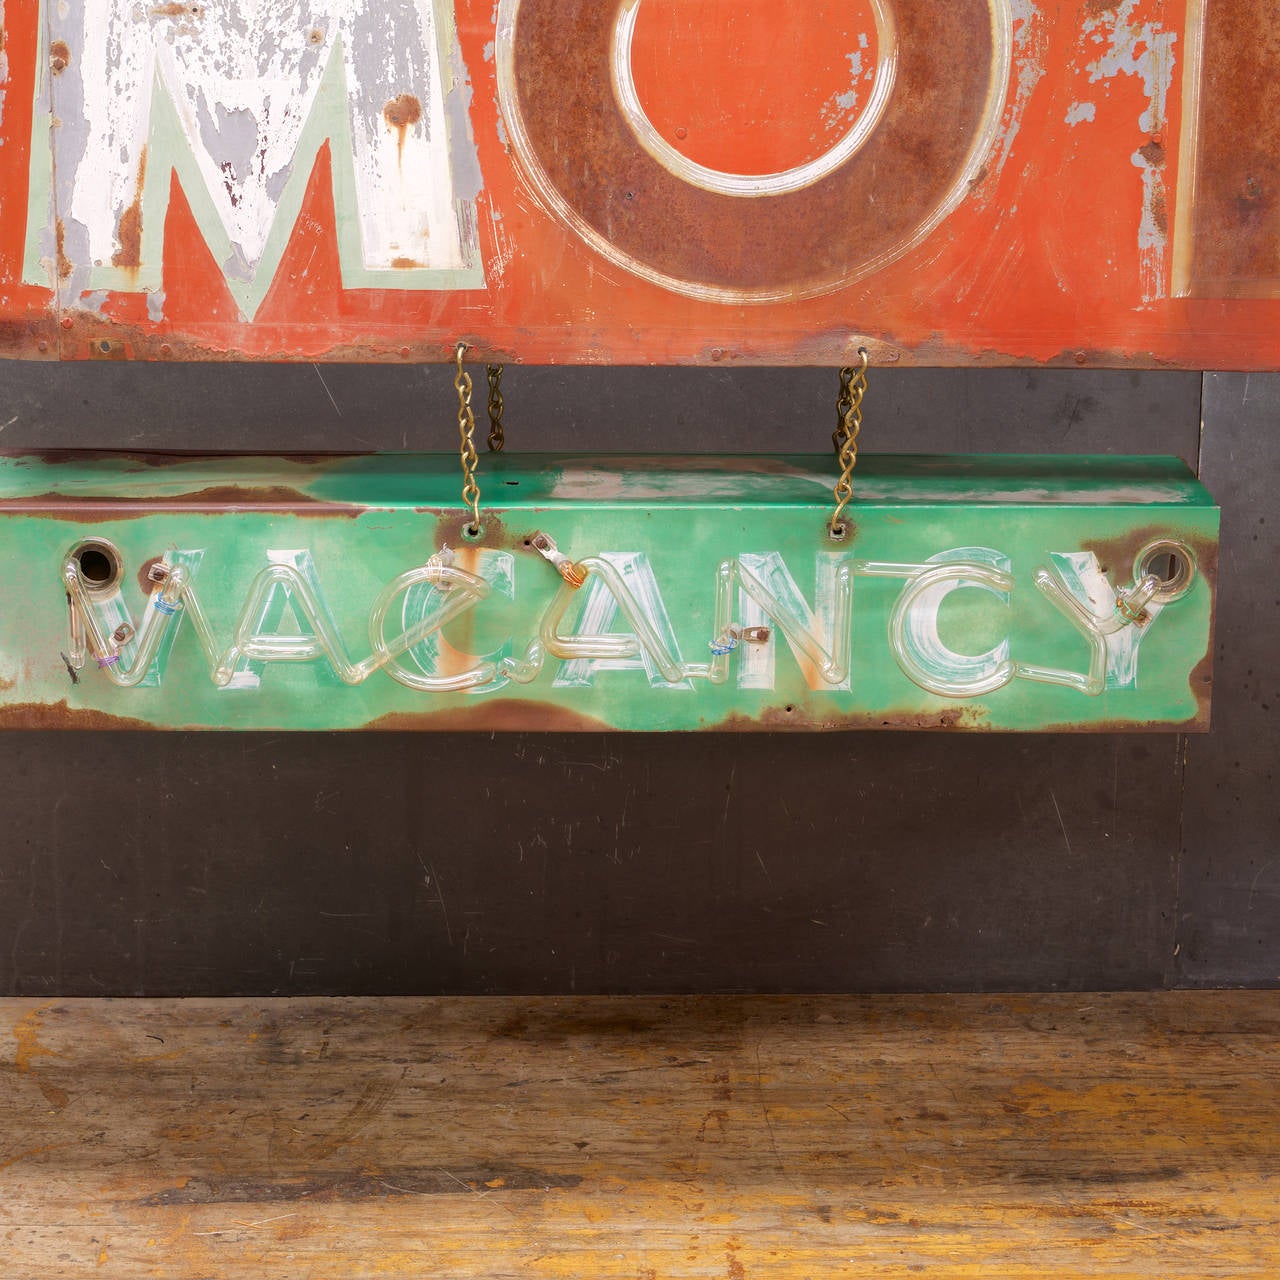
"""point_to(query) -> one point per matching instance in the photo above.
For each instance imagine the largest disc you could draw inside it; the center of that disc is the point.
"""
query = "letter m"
(237, 98)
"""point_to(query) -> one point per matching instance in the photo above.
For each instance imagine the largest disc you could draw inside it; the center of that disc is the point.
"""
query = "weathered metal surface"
(1229, 245)
(797, 233)
(663, 593)
(985, 182)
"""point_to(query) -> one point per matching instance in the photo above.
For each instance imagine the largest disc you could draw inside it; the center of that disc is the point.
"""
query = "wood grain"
(639, 1139)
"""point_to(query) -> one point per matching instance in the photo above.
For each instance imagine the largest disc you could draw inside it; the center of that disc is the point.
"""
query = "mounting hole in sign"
(1172, 562)
(99, 565)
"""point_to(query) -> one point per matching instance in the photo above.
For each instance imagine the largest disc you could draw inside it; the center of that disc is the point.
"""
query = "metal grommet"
(1171, 563)
(838, 531)
(473, 532)
(98, 563)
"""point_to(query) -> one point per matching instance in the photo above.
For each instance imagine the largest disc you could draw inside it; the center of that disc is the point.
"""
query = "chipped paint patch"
(1030, 47)
(1081, 112)
(1143, 49)
(1137, 49)
(4, 66)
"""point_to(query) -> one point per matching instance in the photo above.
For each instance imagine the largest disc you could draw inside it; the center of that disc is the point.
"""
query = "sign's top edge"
(394, 480)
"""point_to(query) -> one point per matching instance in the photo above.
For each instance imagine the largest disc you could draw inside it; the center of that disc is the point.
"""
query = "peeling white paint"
(4, 67)
(1132, 49)
(1080, 112)
(1153, 229)
(1028, 61)
(251, 86)
(1146, 51)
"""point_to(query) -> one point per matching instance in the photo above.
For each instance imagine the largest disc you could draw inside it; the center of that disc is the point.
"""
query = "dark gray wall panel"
(116, 405)
(1229, 930)
(184, 864)
(407, 863)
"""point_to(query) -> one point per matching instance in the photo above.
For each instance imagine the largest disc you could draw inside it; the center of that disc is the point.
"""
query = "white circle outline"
(519, 142)
(723, 183)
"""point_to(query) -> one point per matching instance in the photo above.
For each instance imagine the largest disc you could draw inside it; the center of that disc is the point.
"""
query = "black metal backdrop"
(398, 863)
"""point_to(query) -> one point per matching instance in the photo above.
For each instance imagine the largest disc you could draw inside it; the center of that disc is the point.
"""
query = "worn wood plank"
(1064, 1136)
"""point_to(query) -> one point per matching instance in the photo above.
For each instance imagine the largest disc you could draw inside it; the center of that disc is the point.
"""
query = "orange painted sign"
(634, 181)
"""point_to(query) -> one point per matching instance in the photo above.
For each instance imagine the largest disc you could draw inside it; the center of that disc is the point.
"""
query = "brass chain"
(853, 387)
(467, 447)
(496, 437)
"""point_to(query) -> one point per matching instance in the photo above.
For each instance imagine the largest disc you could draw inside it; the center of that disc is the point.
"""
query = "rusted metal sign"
(604, 593)
(976, 181)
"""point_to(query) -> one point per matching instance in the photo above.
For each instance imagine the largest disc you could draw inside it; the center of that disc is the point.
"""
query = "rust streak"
(175, 458)
(401, 114)
(64, 263)
(129, 233)
(801, 717)
(60, 715)
(501, 715)
(215, 500)
(59, 57)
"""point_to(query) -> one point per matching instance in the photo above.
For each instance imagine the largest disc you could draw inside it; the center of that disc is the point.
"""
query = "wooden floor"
(742, 1139)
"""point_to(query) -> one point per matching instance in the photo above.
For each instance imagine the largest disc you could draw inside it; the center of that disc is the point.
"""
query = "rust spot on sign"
(224, 499)
(402, 113)
(59, 57)
(129, 232)
(176, 10)
(501, 715)
(144, 574)
(143, 459)
(801, 716)
(453, 524)
(64, 263)
(1232, 242)
(406, 264)
(1117, 555)
(60, 715)
(1159, 210)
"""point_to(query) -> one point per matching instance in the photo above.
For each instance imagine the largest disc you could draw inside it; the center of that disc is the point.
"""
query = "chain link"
(853, 387)
(467, 447)
(496, 437)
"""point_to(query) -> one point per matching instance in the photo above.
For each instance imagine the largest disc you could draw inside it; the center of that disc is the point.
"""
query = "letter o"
(582, 140)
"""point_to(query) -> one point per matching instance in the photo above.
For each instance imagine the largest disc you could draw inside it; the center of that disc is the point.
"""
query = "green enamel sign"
(634, 593)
